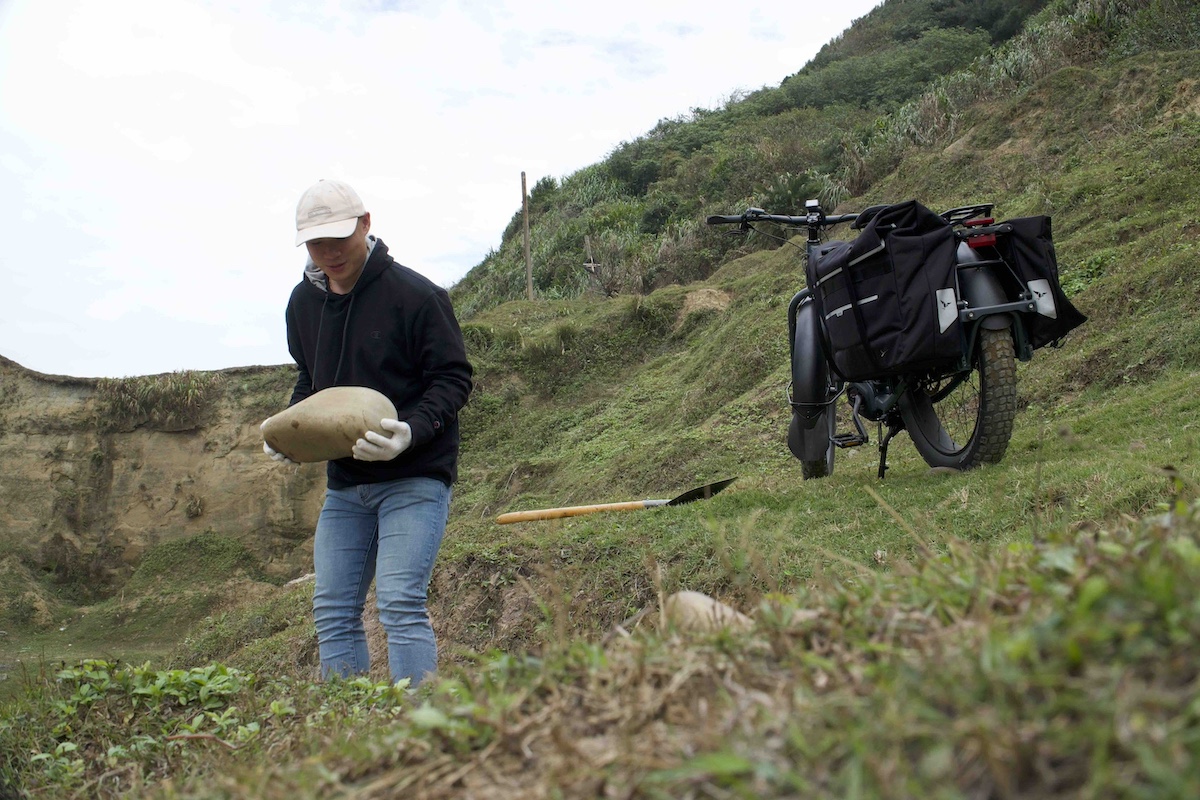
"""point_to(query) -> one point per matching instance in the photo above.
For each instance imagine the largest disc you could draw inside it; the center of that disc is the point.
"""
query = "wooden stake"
(590, 265)
(528, 262)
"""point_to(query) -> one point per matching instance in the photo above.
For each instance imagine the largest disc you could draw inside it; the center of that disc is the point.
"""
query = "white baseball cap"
(327, 210)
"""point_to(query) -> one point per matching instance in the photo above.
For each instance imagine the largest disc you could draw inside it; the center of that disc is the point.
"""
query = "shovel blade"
(700, 492)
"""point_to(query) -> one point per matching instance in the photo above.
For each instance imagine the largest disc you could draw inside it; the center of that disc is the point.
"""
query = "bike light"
(986, 240)
(983, 240)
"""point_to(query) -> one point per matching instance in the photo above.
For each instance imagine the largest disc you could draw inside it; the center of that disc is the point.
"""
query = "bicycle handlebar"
(820, 220)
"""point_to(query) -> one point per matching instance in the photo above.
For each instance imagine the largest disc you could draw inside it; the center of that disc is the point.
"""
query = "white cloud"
(152, 150)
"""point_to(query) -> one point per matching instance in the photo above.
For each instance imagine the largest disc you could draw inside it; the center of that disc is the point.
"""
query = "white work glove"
(377, 447)
(272, 452)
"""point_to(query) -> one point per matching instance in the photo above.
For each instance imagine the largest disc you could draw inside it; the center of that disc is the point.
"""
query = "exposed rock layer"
(84, 495)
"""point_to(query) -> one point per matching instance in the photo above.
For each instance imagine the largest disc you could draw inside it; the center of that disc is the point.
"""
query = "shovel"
(699, 493)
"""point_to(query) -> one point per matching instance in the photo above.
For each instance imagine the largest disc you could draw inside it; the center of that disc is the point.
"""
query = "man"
(358, 318)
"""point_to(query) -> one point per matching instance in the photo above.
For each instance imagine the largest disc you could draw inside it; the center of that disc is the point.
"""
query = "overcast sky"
(152, 151)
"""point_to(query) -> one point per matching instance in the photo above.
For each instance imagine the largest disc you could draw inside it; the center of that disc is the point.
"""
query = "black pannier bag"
(879, 295)
(1029, 251)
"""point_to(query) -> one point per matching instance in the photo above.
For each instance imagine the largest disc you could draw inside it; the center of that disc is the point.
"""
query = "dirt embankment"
(87, 493)
(83, 495)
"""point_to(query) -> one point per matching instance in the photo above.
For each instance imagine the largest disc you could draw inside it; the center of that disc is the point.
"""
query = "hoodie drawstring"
(337, 371)
(317, 349)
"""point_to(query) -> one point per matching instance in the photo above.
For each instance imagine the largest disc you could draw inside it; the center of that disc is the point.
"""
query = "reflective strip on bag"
(868, 254)
(837, 312)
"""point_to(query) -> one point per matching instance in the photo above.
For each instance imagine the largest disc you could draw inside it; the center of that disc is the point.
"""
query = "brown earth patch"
(703, 301)
(1186, 100)
(475, 606)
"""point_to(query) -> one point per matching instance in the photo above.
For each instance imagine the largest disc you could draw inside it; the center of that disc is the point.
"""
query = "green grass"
(261, 391)
(176, 585)
(1064, 666)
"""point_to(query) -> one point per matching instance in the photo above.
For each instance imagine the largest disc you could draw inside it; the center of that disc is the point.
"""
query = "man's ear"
(366, 222)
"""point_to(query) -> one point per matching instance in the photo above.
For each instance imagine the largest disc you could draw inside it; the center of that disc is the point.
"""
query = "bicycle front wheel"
(966, 420)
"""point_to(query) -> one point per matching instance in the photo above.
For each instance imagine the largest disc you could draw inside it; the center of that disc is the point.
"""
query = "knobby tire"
(970, 424)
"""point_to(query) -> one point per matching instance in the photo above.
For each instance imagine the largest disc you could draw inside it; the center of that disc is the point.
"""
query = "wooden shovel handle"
(575, 511)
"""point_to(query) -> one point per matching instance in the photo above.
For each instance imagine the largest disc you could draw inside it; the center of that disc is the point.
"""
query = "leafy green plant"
(100, 727)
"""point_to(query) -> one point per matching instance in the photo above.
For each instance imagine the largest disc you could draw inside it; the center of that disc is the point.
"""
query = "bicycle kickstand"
(883, 446)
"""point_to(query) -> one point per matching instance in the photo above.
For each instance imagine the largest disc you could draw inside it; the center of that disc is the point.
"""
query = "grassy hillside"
(905, 75)
(639, 209)
(1026, 629)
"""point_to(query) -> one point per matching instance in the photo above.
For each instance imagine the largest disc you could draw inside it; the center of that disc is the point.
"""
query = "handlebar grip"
(722, 219)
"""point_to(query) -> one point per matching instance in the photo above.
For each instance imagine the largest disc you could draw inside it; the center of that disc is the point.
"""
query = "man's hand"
(272, 452)
(377, 447)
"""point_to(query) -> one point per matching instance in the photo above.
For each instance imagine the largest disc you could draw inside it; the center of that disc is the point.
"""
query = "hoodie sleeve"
(443, 358)
(304, 384)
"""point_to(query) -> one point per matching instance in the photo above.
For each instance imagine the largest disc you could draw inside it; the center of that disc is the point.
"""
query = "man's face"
(342, 260)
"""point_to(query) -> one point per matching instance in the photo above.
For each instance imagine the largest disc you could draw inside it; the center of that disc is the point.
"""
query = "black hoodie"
(394, 332)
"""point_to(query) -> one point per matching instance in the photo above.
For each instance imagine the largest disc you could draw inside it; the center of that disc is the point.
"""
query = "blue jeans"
(390, 532)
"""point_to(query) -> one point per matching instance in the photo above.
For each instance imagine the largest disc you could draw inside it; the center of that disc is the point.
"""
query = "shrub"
(172, 401)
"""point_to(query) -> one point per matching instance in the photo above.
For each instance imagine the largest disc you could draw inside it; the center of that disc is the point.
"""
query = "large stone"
(325, 425)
